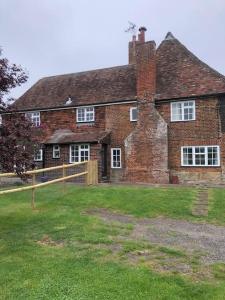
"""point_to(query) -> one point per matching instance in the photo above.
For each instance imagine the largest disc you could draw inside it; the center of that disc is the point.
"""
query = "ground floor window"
(56, 151)
(116, 158)
(79, 152)
(38, 155)
(200, 156)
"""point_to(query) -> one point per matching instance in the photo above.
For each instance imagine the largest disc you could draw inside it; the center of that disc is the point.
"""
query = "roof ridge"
(88, 71)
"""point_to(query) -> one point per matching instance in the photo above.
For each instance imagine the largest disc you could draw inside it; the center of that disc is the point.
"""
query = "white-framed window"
(116, 158)
(79, 152)
(56, 151)
(182, 111)
(35, 118)
(86, 114)
(206, 156)
(38, 155)
(133, 114)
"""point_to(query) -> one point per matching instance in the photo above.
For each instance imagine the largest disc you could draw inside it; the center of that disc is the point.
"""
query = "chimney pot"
(141, 35)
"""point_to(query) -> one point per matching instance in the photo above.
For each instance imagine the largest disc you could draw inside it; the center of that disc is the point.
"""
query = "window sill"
(85, 123)
(182, 121)
(217, 166)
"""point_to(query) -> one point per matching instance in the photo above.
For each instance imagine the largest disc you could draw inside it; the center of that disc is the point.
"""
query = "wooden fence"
(90, 173)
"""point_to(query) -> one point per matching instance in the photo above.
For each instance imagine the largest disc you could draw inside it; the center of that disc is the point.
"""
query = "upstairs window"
(116, 158)
(133, 114)
(79, 153)
(35, 118)
(56, 151)
(183, 111)
(200, 156)
(38, 155)
(85, 114)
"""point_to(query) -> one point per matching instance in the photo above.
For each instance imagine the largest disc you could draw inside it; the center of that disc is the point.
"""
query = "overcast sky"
(49, 37)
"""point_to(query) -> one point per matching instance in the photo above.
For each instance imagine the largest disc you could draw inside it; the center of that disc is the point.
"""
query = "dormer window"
(85, 114)
(35, 118)
(183, 111)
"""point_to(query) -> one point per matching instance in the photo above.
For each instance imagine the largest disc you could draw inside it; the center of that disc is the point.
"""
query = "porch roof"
(65, 136)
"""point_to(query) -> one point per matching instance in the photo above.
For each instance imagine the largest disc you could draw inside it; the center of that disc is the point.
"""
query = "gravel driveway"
(207, 239)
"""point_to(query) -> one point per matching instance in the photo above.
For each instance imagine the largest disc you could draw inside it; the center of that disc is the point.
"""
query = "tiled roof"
(181, 74)
(98, 86)
(65, 136)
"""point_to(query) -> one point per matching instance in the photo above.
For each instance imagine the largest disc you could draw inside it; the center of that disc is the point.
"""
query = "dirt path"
(208, 240)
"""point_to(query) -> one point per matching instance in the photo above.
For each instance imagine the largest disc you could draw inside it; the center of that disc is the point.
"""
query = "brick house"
(159, 119)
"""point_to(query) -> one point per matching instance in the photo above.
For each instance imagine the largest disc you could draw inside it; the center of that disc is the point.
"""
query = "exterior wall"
(127, 135)
(117, 120)
(49, 161)
(205, 130)
(147, 147)
(66, 119)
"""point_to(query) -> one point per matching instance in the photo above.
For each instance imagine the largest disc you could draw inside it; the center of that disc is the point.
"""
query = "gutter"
(118, 102)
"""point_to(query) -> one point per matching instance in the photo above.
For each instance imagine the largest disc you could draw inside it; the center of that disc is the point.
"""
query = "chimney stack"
(141, 35)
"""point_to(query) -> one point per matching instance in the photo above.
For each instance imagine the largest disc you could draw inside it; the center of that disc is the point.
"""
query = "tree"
(17, 139)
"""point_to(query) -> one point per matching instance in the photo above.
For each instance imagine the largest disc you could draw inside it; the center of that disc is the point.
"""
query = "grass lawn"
(61, 252)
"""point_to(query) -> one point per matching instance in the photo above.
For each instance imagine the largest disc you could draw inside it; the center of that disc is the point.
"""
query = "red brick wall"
(66, 119)
(205, 130)
(147, 148)
(117, 120)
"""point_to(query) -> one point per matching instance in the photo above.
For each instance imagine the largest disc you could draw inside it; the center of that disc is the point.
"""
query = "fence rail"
(91, 174)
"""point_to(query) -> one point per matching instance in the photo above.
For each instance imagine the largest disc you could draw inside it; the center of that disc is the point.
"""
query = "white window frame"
(205, 153)
(35, 117)
(182, 111)
(40, 151)
(131, 114)
(54, 150)
(120, 161)
(79, 152)
(85, 114)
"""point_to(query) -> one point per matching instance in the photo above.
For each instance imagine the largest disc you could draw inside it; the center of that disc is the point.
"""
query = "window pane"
(56, 151)
(212, 156)
(176, 111)
(187, 156)
(38, 155)
(85, 114)
(183, 111)
(200, 156)
(116, 158)
(79, 153)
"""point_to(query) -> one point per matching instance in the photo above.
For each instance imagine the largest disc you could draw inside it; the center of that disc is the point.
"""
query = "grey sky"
(49, 37)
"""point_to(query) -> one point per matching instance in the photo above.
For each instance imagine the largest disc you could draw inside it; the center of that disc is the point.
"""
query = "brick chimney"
(146, 68)
(146, 148)
(141, 35)
(143, 54)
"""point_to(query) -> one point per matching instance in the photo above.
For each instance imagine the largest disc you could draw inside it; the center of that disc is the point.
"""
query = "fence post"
(33, 191)
(64, 175)
(95, 167)
(88, 172)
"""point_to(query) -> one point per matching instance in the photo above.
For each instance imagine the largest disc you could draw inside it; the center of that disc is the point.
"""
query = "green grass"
(77, 270)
